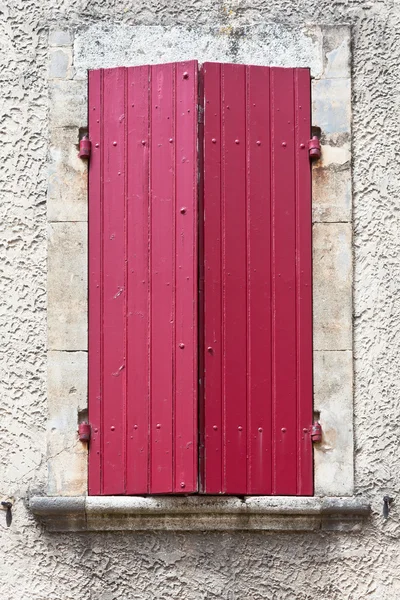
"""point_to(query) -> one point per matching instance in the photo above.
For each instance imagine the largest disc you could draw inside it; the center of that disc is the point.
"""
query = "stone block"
(281, 513)
(60, 38)
(110, 45)
(67, 394)
(67, 286)
(67, 469)
(331, 194)
(334, 154)
(66, 387)
(60, 513)
(332, 287)
(336, 51)
(60, 63)
(333, 398)
(67, 184)
(331, 105)
(68, 103)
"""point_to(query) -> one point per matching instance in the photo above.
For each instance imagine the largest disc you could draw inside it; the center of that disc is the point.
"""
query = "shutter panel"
(257, 407)
(143, 279)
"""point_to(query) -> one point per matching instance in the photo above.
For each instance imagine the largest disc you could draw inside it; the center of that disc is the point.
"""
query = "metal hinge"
(84, 431)
(85, 147)
(316, 432)
(200, 114)
(314, 148)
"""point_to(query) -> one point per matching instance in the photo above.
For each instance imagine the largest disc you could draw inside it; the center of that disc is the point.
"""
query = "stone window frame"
(326, 50)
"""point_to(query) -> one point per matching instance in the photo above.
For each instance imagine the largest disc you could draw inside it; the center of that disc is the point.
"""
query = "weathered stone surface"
(67, 386)
(336, 52)
(332, 273)
(102, 513)
(60, 38)
(67, 468)
(334, 155)
(331, 194)
(333, 398)
(60, 63)
(105, 45)
(67, 188)
(67, 286)
(60, 514)
(331, 105)
(68, 103)
(67, 394)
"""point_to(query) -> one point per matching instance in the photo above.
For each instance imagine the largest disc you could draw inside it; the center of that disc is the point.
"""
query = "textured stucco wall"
(36, 565)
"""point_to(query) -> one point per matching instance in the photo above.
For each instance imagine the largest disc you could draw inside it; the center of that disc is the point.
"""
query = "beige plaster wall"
(37, 565)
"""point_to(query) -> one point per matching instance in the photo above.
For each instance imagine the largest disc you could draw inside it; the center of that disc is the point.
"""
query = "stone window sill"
(196, 513)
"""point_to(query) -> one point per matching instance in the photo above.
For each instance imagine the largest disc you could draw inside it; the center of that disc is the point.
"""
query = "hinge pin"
(316, 432)
(314, 148)
(85, 146)
(84, 432)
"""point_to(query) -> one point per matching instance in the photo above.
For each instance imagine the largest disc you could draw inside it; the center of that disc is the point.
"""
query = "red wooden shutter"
(257, 281)
(143, 279)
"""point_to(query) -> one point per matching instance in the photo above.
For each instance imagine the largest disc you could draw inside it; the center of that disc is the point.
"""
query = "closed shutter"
(255, 317)
(143, 280)
(257, 406)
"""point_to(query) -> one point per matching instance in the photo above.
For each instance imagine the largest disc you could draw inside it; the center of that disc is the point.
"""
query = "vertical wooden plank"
(114, 282)
(95, 281)
(163, 345)
(284, 283)
(138, 302)
(259, 281)
(213, 349)
(234, 276)
(303, 282)
(185, 282)
(201, 267)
